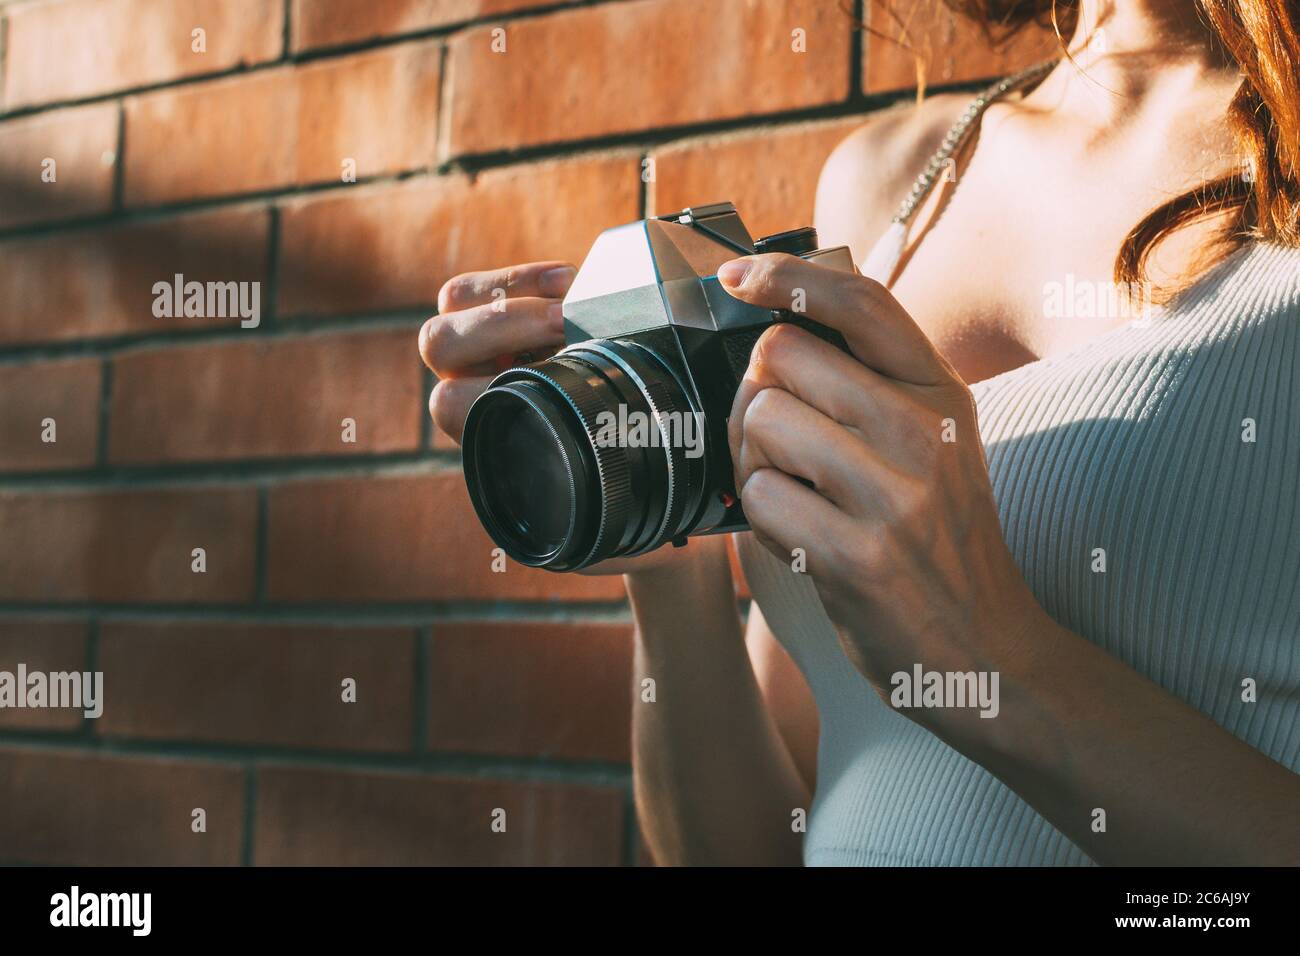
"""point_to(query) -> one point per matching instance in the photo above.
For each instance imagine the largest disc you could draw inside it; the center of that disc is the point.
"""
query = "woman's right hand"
(489, 321)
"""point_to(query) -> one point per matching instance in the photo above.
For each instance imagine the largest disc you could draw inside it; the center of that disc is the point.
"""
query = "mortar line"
(92, 666)
(333, 615)
(105, 416)
(423, 689)
(858, 52)
(270, 314)
(261, 564)
(240, 472)
(475, 766)
(286, 31)
(297, 327)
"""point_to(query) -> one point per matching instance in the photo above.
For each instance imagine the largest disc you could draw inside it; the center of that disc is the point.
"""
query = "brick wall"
(328, 560)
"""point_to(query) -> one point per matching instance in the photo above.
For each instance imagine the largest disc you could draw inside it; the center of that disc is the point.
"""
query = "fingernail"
(557, 281)
(733, 273)
(555, 314)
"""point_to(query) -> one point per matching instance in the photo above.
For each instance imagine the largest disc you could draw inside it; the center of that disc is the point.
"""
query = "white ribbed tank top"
(1132, 443)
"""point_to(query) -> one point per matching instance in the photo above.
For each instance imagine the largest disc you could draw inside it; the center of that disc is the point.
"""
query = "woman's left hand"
(899, 531)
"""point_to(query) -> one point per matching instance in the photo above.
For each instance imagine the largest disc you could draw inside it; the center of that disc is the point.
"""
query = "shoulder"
(867, 175)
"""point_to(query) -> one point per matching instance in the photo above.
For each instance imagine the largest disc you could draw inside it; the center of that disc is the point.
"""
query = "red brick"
(654, 64)
(67, 392)
(386, 247)
(317, 23)
(255, 684)
(94, 283)
(45, 645)
(330, 818)
(770, 175)
(944, 47)
(285, 127)
(276, 398)
(128, 545)
(405, 538)
(81, 141)
(104, 45)
(85, 809)
(532, 689)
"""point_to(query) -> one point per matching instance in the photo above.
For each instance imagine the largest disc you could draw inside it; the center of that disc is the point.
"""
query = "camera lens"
(557, 480)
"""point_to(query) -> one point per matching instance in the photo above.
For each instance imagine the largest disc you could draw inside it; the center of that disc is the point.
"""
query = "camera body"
(618, 443)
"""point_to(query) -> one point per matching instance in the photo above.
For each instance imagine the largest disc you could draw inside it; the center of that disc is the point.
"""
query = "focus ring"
(661, 403)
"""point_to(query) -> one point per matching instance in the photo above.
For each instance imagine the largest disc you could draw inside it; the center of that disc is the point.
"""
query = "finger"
(878, 330)
(785, 515)
(453, 343)
(550, 280)
(822, 376)
(782, 432)
(450, 400)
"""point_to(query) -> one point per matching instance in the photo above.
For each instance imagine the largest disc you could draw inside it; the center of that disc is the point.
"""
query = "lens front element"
(535, 500)
(549, 486)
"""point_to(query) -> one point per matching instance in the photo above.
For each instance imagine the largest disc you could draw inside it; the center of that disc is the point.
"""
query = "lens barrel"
(552, 471)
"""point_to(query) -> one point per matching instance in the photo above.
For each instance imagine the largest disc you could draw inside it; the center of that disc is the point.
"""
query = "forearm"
(714, 783)
(1079, 731)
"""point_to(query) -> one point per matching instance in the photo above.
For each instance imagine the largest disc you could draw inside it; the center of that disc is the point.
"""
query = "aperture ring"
(662, 405)
(657, 386)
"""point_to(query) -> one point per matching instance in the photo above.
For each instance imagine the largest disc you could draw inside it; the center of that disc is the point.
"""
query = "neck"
(1134, 35)
(1126, 55)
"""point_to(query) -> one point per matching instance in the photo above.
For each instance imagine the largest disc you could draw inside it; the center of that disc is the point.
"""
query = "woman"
(1117, 541)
